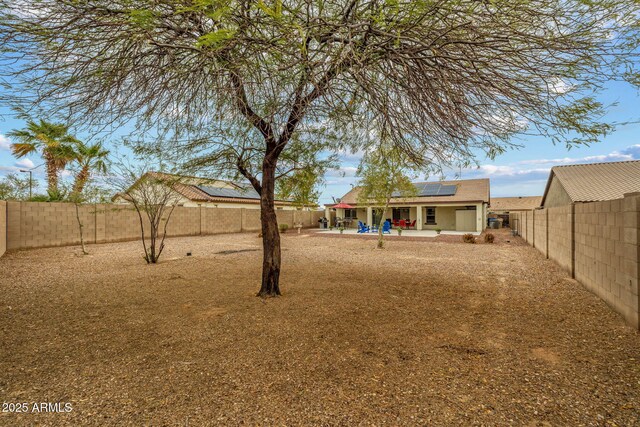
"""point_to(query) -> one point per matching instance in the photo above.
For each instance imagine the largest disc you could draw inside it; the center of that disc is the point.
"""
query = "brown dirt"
(417, 333)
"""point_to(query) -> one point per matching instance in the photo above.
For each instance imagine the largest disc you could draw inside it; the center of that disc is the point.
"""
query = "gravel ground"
(422, 332)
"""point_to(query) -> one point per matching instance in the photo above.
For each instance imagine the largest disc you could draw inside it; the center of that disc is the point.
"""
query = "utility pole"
(30, 181)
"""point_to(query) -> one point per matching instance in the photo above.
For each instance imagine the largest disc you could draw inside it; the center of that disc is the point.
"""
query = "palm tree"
(91, 159)
(52, 141)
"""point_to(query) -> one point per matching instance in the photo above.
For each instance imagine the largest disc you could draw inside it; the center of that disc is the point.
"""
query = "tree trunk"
(382, 220)
(270, 235)
(52, 174)
(81, 180)
(81, 226)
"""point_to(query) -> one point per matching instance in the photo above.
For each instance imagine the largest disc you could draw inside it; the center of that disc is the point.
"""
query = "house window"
(431, 216)
(350, 213)
(400, 213)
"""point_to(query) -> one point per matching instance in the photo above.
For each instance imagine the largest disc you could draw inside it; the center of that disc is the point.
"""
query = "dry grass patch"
(418, 333)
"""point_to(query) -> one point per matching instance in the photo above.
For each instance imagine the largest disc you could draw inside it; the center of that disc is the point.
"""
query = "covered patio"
(446, 217)
(394, 233)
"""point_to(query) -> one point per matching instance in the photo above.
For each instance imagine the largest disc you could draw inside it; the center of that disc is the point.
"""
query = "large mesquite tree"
(451, 78)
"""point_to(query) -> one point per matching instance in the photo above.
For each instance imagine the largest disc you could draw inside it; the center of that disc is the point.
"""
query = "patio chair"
(386, 227)
(362, 228)
(396, 223)
(403, 223)
(412, 225)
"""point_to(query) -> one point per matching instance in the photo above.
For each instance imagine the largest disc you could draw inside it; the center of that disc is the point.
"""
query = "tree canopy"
(449, 76)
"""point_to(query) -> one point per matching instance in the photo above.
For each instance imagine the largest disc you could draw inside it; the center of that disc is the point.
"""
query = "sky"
(521, 172)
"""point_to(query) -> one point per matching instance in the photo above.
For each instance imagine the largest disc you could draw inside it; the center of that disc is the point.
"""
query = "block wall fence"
(3, 227)
(598, 243)
(25, 225)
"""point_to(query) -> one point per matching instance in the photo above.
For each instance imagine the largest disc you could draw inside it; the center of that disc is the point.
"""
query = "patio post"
(419, 217)
(369, 215)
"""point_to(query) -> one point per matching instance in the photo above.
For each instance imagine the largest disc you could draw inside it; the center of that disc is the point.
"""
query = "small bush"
(438, 230)
(468, 238)
(399, 231)
(489, 238)
(283, 228)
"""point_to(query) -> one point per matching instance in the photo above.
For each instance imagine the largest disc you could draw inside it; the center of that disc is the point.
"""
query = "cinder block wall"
(3, 227)
(606, 252)
(559, 236)
(598, 243)
(35, 225)
(540, 230)
(530, 223)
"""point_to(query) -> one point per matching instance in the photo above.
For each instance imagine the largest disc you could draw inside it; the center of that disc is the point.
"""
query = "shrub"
(283, 228)
(468, 238)
(399, 231)
(488, 238)
(438, 230)
(341, 229)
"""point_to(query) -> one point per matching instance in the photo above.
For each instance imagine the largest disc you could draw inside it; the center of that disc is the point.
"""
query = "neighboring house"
(501, 206)
(194, 191)
(504, 205)
(447, 205)
(591, 182)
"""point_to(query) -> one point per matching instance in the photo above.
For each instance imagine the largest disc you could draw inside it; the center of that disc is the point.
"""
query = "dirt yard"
(431, 333)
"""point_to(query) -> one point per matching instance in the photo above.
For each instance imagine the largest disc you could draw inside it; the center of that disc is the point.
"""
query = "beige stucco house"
(447, 205)
(504, 205)
(500, 207)
(218, 193)
(590, 183)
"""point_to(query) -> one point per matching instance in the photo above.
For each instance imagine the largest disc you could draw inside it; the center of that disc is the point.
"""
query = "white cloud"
(9, 169)
(342, 172)
(630, 153)
(559, 86)
(25, 163)
(528, 177)
(5, 144)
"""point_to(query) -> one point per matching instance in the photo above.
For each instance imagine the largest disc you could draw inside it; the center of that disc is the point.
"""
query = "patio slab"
(405, 233)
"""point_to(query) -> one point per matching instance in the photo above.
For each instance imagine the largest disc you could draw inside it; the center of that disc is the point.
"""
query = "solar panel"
(436, 189)
(430, 190)
(240, 193)
(447, 190)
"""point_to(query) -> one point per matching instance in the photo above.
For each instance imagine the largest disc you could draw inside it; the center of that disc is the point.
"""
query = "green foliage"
(52, 141)
(143, 18)
(274, 12)
(383, 174)
(216, 38)
(303, 172)
(283, 227)
(14, 187)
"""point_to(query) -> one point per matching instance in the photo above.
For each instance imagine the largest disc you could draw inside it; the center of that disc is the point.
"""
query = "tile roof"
(188, 187)
(597, 181)
(468, 190)
(514, 203)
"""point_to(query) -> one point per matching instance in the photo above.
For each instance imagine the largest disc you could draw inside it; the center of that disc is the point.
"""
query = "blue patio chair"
(362, 228)
(386, 227)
